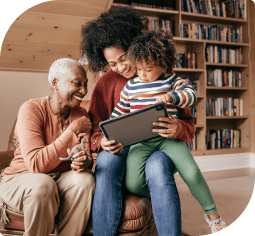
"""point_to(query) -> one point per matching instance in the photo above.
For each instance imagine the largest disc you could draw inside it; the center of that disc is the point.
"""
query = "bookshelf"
(227, 34)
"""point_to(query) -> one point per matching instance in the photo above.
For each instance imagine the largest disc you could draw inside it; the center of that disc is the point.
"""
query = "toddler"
(153, 55)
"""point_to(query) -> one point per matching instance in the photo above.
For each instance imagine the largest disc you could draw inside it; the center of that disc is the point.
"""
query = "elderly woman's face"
(116, 59)
(72, 87)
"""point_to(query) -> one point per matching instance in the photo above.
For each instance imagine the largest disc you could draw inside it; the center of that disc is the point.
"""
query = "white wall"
(15, 89)
(18, 87)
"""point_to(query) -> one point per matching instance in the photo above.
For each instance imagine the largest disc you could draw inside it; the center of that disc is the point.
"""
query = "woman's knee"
(158, 164)
(42, 187)
(110, 163)
(83, 181)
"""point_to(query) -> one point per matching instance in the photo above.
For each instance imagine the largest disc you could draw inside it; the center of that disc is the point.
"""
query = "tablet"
(134, 127)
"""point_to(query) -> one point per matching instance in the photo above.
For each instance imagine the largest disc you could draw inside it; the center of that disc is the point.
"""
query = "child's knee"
(194, 176)
(134, 185)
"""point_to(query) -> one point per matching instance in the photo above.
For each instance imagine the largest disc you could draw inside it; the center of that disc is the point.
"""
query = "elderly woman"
(37, 183)
(105, 42)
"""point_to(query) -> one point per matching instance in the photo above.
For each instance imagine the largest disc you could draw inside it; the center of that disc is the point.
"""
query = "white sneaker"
(216, 225)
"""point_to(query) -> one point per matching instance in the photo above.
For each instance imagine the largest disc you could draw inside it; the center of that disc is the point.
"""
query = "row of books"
(210, 32)
(194, 114)
(224, 106)
(186, 60)
(225, 78)
(228, 8)
(155, 24)
(220, 54)
(194, 83)
(161, 4)
(192, 144)
(223, 138)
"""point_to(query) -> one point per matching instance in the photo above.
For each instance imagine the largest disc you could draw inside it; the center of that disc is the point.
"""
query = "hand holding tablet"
(136, 126)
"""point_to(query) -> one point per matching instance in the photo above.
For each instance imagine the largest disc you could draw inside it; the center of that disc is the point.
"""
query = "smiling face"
(116, 59)
(148, 72)
(71, 87)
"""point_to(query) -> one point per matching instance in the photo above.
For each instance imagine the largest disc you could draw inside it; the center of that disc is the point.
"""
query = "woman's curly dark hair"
(157, 46)
(118, 27)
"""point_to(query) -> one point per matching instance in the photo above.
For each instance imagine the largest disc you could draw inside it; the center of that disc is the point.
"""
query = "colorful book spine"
(223, 138)
(224, 107)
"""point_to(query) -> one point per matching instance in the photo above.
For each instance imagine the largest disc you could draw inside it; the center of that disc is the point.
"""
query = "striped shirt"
(136, 94)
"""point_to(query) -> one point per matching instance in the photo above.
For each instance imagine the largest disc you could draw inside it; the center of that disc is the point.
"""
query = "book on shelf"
(192, 145)
(227, 8)
(211, 32)
(220, 54)
(225, 78)
(158, 24)
(223, 138)
(194, 114)
(186, 60)
(219, 107)
(149, 3)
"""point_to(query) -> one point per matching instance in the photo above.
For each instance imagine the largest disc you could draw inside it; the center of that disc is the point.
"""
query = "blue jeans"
(159, 172)
(107, 202)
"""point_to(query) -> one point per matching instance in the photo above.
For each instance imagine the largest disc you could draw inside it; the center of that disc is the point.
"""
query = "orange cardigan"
(41, 139)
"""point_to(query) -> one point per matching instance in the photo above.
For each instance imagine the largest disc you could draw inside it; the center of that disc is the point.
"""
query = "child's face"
(148, 72)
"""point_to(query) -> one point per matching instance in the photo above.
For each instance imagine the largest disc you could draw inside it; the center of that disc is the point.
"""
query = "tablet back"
(134, 127)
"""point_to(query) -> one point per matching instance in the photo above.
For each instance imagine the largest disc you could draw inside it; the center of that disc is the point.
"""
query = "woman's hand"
(111, 146)
(84, 145)
(81, 125)
(169, 127)
(81, 161)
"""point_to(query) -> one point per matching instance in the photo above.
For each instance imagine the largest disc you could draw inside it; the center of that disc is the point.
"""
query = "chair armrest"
(5, 158)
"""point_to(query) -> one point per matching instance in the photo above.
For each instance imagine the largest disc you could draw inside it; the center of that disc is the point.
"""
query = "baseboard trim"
(225, 162)
(252, 159)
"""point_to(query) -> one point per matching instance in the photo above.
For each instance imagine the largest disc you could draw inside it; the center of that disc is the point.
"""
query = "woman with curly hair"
(105, 42)
(152, 54)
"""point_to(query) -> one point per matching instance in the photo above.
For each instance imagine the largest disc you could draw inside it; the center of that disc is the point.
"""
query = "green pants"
(185, 164)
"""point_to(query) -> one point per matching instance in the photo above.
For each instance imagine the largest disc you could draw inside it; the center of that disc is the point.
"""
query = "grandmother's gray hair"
(59, 66)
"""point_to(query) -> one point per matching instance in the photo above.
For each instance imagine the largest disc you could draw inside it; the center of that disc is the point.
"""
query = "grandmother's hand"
(81, 125)
(169, 127)
(111, 146)
(81, 161)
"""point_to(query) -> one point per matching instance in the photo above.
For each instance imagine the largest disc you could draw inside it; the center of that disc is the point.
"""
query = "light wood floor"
(215, 175)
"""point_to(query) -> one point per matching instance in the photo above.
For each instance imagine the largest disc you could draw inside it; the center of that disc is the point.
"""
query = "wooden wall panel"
(46, 32)
(43, 18)
(95, 3)
(32, 66)
(45, 29)
(68, 9)
(42, 38)
(40, 48)
(37, 57)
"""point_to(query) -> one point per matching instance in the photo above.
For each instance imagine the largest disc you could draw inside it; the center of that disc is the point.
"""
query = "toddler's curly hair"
(118, 27)
(157, 46)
